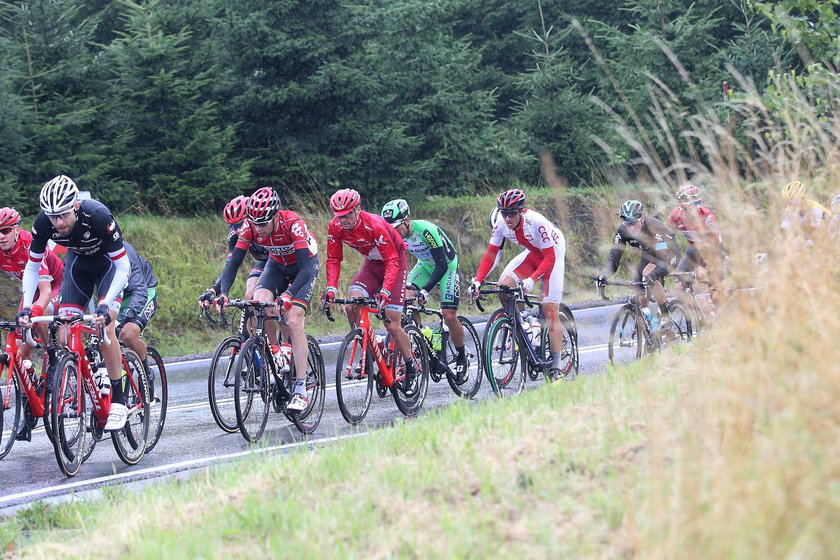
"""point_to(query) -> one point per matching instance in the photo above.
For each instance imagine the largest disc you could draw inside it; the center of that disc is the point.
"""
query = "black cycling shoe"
(461, 369)
(410, 378)
(24, 434)
(556, 374)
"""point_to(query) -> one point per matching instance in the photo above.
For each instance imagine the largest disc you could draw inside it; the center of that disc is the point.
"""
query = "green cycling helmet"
(396, 212)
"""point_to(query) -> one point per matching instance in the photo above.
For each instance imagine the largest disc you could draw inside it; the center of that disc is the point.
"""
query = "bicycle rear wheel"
(504, 365)
(130, 441)
(569, 357)
(159, 385)
(626, 336)
(251, 394)
(410, 397)
(469, 385)
(221, 382)
(11, 403)
(68, 415)
(316, 389)
(353, 378)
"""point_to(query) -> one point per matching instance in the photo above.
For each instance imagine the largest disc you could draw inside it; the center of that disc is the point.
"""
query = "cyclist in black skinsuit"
(96, 258)
(658, 246)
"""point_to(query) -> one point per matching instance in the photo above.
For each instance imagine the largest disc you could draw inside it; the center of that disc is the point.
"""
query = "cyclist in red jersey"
(699, 225)
(289, 275)
(383, 273)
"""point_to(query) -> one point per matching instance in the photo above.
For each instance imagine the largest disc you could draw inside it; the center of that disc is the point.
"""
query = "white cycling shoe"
(117, 417)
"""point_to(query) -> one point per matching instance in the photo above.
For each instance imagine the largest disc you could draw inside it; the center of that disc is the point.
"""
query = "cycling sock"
(556, 360)
(117, 392)
(300, 387)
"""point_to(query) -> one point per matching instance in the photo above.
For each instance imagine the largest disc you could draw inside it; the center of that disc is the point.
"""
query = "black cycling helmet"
(632, 211)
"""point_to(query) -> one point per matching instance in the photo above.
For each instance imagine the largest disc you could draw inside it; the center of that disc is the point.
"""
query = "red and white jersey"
(13, 262)
(373, 237)
(534, 232)
(290, 234)
(704, 224)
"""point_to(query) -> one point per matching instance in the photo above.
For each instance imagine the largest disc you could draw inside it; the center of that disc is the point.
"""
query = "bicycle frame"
(511, 311)
(366, 306)
(13, 360)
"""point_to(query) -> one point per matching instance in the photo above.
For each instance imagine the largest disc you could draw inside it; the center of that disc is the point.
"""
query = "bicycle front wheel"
(11, 401)
(468, 386)
(410, 396)
(353, 378)
(68, 415)
(680, 326)
(504, 365)
(251, 390)
(221, 382)
(158, 396)
(626, 336)
(130, 441)
(316, 389)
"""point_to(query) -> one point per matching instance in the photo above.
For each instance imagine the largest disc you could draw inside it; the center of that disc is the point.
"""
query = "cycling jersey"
(95, 236)
(14, 262)
(259, 252)
(543, 258)
(656, 242)
(290, 245)
(374, 238)
(437, 262)
(810, 216)
(703, 227)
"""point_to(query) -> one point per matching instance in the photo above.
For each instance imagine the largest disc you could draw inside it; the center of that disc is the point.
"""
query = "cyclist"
(383, 273)
(543, 259)
(699, 225)
(14, 253)
(659, 249)
(802, 218)
(96, 258)
(437, 265)
(139, 303)
(289, 275)
(235, 213)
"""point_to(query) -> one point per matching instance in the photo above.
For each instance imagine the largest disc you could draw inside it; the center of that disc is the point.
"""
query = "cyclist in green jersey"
(437, 265)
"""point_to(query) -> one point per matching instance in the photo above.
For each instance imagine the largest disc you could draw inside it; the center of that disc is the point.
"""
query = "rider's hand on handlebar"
(103, 315)
(23, 317)
(221, 302)
(285, 300)
(475, 289)
(422, 296)
(328, 297)
(381, 297)
(206, 299)
(527, 284)
(600, 281)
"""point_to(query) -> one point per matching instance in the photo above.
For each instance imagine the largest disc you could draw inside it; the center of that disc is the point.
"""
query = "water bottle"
(282, 356)
(29, 370)
(652, 320)
(104, 381)
(380, 343)
(427, 332)
(534, 330)
(437, 339)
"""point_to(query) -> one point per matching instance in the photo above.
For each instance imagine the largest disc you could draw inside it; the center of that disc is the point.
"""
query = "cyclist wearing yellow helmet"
(802, 215)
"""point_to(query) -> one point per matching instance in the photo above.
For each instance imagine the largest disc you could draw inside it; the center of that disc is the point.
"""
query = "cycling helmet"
(263, 205)
(9, 217)
(793, 190)
(511, 201)
(835, 205)
(494, 215)
(632, 211)
(236, 210)
(59, 195)
(343, 201)
(688, 194)
(396, 212)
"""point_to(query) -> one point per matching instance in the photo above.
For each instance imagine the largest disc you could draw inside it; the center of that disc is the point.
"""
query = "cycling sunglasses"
(7, 230)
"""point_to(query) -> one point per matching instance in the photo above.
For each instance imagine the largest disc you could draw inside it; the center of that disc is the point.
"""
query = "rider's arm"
(30, 278)
(335, 254)
(306, 270)
(123, 269)
(491, 256)
(441, 266)
(617, 251)
(231, 268)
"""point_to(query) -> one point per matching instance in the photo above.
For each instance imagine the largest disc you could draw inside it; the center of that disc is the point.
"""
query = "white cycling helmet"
(59, 195)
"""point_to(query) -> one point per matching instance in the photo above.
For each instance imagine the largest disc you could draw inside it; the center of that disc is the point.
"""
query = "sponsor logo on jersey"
(112, 226)
(86, 235)
(297, 229)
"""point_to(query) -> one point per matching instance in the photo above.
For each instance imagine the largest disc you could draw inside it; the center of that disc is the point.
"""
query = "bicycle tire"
(130, 441)
(158, 404)
(252, 394)
(490, 320)
(68, 415)
(410, 399)
(504, 363)
(316, 389)
(570, 356)
(11, 403)
(353, 379)
(625, 343)
(469, 387)
(680, 326)
(221, 381)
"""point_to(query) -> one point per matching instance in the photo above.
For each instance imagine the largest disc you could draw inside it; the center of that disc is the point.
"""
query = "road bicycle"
(158, 395)
(510, 355)
(355, 375)
(258, 381)
(23, 397)
(631, 332)
(700, 306)
(221, 378)
(78, 412)
(441, 350)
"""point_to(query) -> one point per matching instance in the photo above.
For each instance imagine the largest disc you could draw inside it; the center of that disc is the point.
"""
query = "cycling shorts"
(142, 319)
(369, 281)
(81, 275)
(525, 263)
(449, 284)
(277, 278)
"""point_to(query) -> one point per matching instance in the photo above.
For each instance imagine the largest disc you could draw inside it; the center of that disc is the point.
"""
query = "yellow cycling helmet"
(793, 190)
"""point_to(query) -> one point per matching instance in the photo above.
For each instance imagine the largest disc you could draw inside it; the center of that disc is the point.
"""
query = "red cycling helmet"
(263, 205)
(343, 201)
(688, 194)
(236, 210)
(9, 217)
(511, 201)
